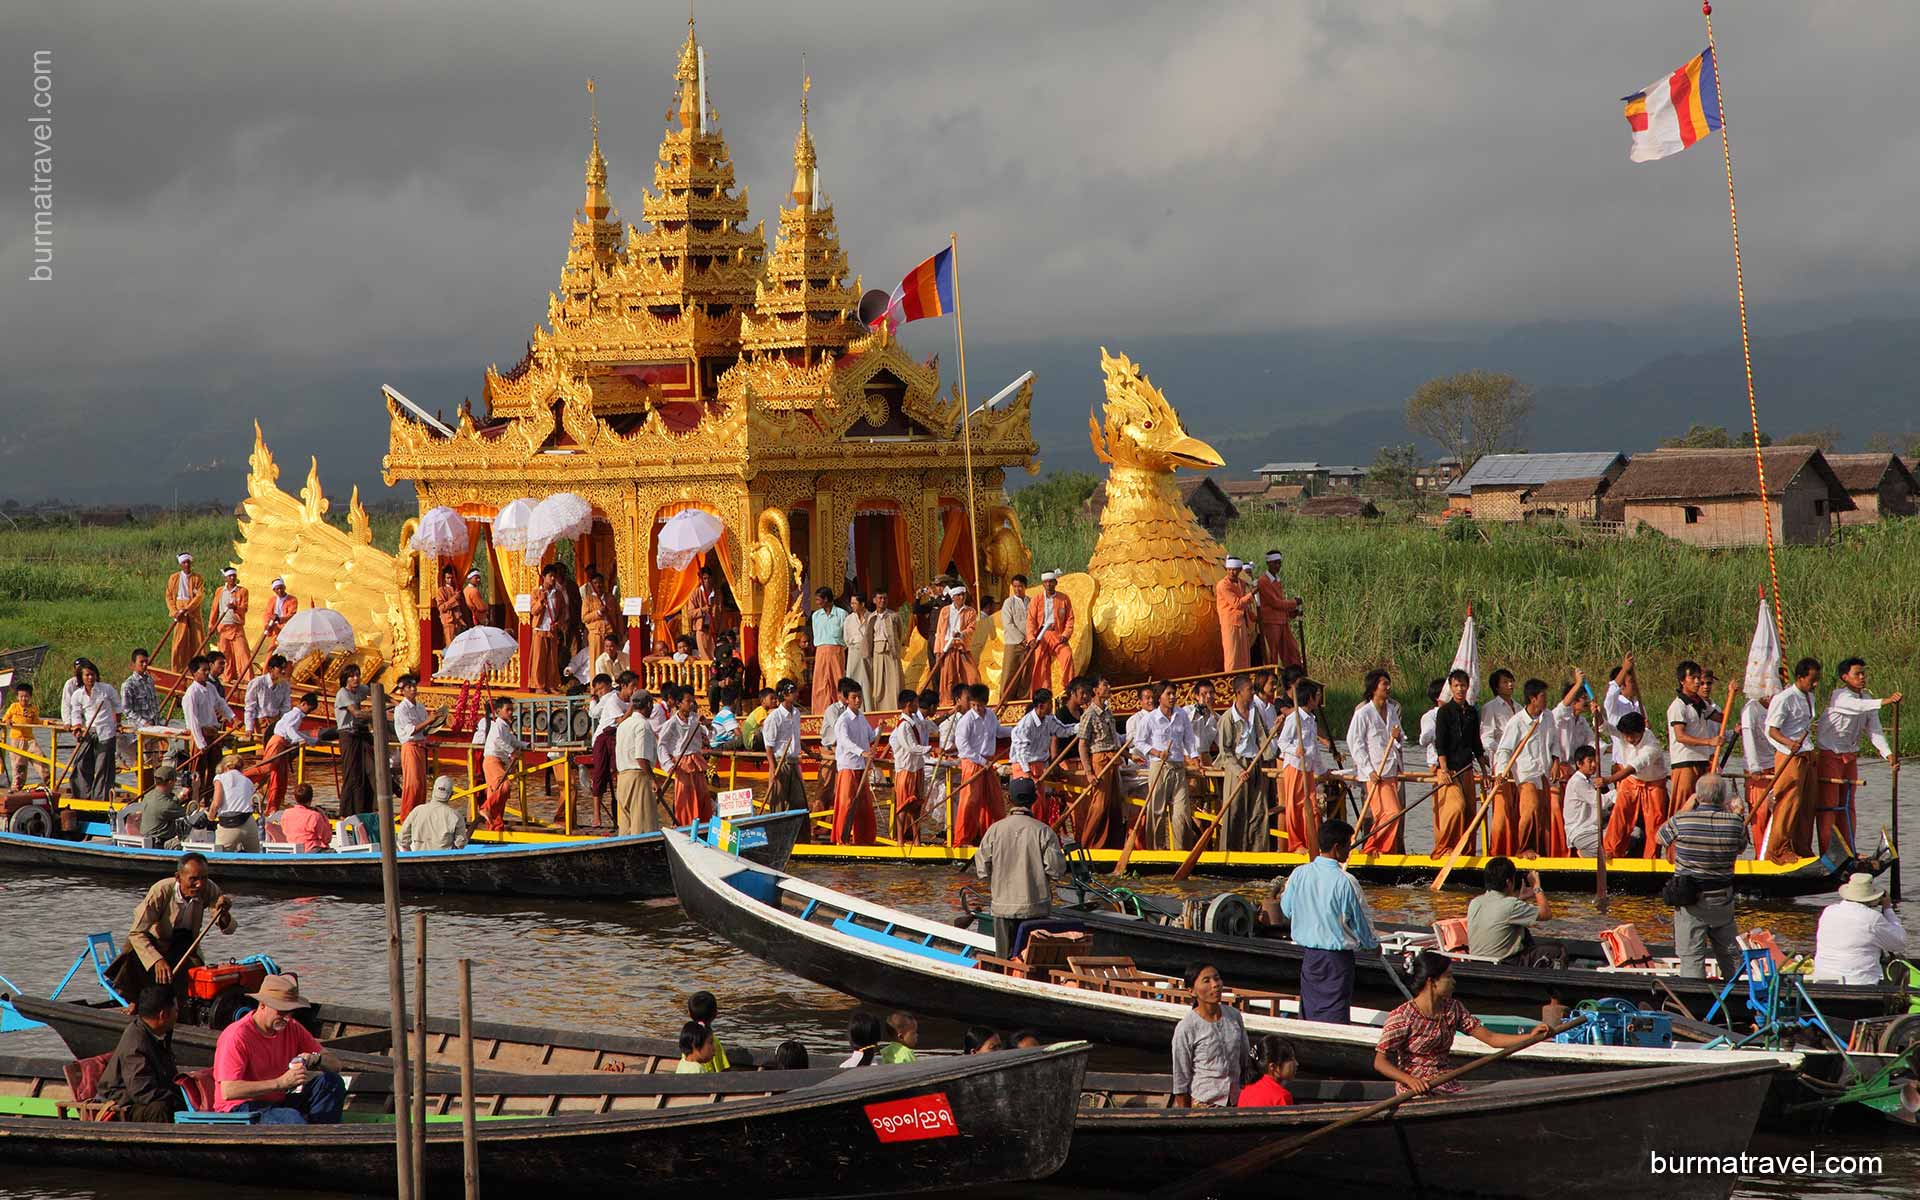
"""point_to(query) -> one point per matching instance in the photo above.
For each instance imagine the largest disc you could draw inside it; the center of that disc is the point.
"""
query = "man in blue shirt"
(828, 627)
(1330, 922)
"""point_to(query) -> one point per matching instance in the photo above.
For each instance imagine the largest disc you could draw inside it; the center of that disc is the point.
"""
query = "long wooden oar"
(1600, 900)
(1206, 835)
(1210, 1180)
(208, 921)
(1486, 804)
(1069, 810)
(1365, 830)
(1139, 823)
(1722, 747)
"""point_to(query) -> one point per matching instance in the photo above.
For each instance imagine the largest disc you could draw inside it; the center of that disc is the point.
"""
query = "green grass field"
(1377, 594)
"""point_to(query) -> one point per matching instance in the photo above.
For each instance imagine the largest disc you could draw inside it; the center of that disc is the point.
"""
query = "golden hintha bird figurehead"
(1141, 429)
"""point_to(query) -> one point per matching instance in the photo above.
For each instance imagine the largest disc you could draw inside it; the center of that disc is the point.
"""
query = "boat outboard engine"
(1229, 914)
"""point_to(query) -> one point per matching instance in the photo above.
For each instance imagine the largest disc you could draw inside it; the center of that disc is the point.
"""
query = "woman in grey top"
(1210, 1050)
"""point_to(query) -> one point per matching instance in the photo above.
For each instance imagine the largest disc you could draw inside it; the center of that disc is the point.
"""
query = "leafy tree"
(1471, 414)
(1392, 472)
(1712, 437)
(1824, 438)
(1906, 445)
(1056, 499)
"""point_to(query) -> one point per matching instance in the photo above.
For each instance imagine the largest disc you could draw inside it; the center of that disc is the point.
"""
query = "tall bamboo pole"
(396, 968)
(966, 416)
(469, 1140)
(420, 1054)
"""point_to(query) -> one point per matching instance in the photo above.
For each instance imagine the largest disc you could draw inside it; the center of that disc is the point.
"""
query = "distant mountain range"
(182, 430)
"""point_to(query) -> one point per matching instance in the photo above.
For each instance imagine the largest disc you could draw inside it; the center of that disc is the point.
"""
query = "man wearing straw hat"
(280, 609)
(185, 593)
(267, 1062)
(1050, 629)
(230, 624)
(1855, 932)
(1277, 612)
(1233, 603)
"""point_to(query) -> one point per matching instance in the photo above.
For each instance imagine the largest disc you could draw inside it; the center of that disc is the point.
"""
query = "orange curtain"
(902, 592)
(955, 544)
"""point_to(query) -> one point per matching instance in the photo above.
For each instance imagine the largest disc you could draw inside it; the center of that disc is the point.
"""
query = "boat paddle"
(1493, 790)
(1086, 791)
(1206, 835)
(1720, 751)
(207, 922)
(1211, 1180)
(1365, 829)
(1895, 802)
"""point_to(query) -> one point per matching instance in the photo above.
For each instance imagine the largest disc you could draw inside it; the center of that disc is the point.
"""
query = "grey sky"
(392, 183)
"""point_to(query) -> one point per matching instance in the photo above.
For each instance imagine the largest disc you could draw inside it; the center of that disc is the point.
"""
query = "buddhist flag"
(927, 291)
(1674, 112)
(1467, 657)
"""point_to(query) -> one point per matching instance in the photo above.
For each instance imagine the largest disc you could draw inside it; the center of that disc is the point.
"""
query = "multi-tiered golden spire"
(595, 244)
(804, 308)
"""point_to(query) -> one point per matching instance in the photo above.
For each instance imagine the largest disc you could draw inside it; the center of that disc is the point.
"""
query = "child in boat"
(906, 1036)
(21, 717)
(1278, 1064)
(703, 1007)
(697, 1049)
(864, 1032)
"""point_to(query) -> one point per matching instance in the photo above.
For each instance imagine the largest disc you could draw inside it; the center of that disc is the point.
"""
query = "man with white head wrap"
(1233, 603)
(185, 595)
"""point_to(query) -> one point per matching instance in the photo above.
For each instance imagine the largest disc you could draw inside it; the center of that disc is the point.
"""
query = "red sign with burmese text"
(914, 1119)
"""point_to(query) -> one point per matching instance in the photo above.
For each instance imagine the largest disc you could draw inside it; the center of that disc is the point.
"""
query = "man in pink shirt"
(304, 825)
(267, 1062)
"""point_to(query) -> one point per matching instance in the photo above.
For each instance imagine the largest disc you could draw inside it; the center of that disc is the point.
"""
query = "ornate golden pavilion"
(681, 366)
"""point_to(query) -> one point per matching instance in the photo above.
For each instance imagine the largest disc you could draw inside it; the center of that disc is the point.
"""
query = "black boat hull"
(1012, 1121)
(622, 868)
(1601, 1132)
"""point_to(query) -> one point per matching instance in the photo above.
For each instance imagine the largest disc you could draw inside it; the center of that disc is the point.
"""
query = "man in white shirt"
(1525, 753)
(1246, 798)
(1582, 806)
(1165, 733)
(1428, 723)
(96, 726)
(1790, 729)
(208, 717)
(1640, 777)
(1621, 697)
(1852, 716)
(976, 736)
(822, 800)
(1498, 710)
(411, 725)
(268, 698)
(910, 742)
(503, 745)
(1373, 735)
(1693, 728)
(683, 738)
(854, 823)
(636, 748)
(1013, 628)
(1300, 766)
(1856, 931)
(1757, 752)
(1029, 752)
(1204, 722)
(609, 707)
(287, 738)
(780, 735)
(1573, 727)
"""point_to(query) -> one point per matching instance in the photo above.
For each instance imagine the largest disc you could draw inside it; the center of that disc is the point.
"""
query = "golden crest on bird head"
(1155, 568)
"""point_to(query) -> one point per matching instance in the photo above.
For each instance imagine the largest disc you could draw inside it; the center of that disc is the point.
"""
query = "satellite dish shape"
(873, 306)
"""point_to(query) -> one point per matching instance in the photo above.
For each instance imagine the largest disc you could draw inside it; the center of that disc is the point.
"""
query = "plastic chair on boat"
(100, 952)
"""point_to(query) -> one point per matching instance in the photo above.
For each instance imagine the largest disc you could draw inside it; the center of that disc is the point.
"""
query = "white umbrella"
(1467, 657)
(313, 629)
(510, 525)
(442, 533)
(560, 516)
(474, 653)
(1763, 656)
(687, 535)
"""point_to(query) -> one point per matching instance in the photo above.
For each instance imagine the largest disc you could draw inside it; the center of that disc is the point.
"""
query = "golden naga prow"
(1153, 613)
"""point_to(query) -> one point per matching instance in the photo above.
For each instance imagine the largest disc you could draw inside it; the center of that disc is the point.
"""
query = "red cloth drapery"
(883, 561)
(956, 544)
(671, 589)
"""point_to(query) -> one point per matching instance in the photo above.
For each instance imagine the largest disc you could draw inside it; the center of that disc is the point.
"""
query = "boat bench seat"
(892, 942)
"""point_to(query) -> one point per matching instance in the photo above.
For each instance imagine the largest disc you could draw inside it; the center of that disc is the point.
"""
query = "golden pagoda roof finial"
(597, 204)
(805, 160)
(691, 73)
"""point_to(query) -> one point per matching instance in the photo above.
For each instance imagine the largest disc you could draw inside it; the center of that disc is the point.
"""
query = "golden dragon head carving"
(1141, 428)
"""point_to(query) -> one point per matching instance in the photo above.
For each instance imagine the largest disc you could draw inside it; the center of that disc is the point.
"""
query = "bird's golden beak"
(1192, 452)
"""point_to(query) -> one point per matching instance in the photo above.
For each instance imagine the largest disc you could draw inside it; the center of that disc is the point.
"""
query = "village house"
(1710, 497)
(1205, 498)
(1251, 495)
(1880, 485)
(1436, 476)
(1315, 479)
(1509, 487)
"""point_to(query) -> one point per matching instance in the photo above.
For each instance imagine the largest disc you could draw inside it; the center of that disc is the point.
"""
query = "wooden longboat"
(603, 868)
(1274, 963)
(901, 960)
(1129, 1136)
(1004, 1118)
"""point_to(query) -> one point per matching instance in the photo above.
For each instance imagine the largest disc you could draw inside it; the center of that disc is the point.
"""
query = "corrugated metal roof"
(1276, 468)
(1509, 470)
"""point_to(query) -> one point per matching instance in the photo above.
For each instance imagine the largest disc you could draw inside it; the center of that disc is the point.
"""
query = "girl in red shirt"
(1278, 1064)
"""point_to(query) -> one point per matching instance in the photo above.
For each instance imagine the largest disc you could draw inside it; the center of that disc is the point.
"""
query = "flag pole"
(966, 418)
(1746, 344)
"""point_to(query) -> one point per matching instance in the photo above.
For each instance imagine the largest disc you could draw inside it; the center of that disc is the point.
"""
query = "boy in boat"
(912, 737)
(1790, 730)
(780, 741)
(22, 718)
(905, 1032)
(1640, 774)
(1582, 805)
(496, 762)
(1572, 729)
(1373, 734)
(1757, 753)
(1029, 751)
(853, 808)
(1851, 717)
(976, 737)
(1165, 733)
(287, 737)
(1519, 822)
(608, 708)
(1299, 741)
(1693, 726)
(682, 740)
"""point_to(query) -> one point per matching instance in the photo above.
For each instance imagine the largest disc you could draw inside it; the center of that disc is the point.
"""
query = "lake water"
(629, 966)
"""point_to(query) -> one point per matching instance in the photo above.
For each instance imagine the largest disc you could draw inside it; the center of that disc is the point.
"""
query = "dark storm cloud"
(392, 182)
